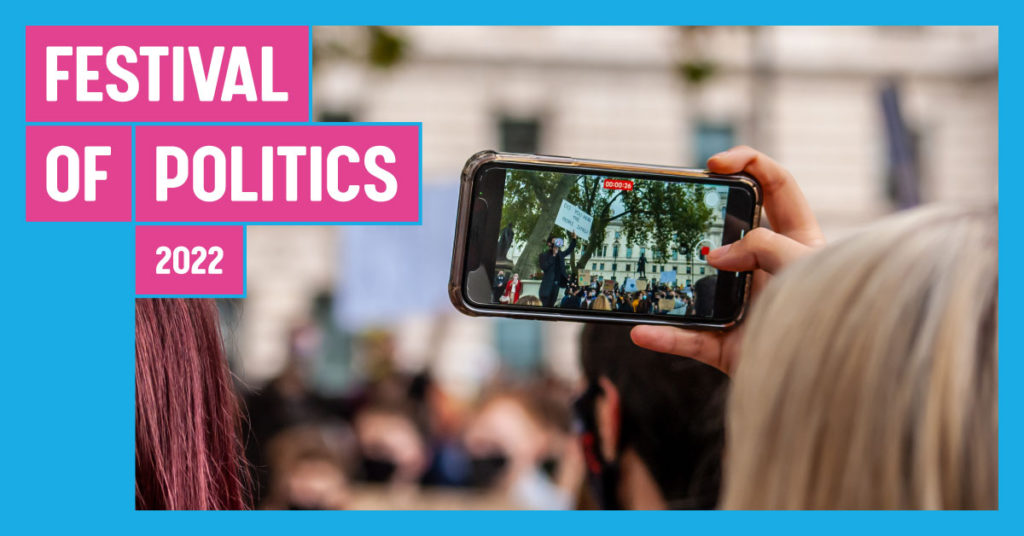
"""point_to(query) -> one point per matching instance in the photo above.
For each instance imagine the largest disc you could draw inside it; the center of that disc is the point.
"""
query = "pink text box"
(183, 204)
(289, 66)
(112, 196)
(185, 260)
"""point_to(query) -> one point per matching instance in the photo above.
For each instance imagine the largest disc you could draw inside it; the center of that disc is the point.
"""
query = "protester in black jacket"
(552, 263)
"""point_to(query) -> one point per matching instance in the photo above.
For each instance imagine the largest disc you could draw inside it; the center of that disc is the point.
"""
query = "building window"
(643, 250)
(629, 252)
(615, 251)
(602, 266)
(604, 250)
(675, 255)
(712, 138)
(594, 266)
(627, 267)
(519, 135)
(614, 267)
(687, 269)
(675, 268)
(701, 270)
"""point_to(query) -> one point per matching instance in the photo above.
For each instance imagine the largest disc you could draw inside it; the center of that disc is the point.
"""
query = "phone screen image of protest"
(601, 243)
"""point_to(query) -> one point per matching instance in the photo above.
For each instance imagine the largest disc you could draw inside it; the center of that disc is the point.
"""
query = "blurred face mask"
(602, 476)
(485, 470)
(378, 469)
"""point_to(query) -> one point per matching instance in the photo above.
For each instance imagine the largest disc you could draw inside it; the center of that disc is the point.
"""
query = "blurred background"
(365, 389)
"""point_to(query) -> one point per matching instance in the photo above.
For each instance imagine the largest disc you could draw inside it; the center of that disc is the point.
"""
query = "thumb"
(759, 249)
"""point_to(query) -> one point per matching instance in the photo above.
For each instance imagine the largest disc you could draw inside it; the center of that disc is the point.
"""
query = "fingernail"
(718, 252)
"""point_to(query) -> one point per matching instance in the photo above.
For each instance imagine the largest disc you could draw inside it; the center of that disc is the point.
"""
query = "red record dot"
(704, 250)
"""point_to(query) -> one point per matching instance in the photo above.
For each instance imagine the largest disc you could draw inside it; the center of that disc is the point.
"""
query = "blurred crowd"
(398, 440)
(659, 299)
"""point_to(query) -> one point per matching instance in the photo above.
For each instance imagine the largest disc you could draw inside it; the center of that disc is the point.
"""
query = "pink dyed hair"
(188, 455)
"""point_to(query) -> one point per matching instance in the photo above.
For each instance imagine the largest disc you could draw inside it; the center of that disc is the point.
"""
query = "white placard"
(572, 218)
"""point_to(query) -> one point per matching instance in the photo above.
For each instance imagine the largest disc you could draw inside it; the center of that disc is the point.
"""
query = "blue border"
(69, 315)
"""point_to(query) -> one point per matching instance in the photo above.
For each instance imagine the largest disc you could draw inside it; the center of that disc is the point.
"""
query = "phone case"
(455, 290)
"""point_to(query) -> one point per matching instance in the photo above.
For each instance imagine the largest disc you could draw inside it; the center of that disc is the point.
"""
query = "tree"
(530, 206)
(591, 196)
(671, 215)
(690, 232)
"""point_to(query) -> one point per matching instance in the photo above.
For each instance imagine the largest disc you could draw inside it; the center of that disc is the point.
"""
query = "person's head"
(601, 303)
(188, 454)
(391, 444)
(652, 423)
(501, 273)
(869, 373)
(504, 438)
(307, 468)
(530, 300)
(515, 276)
(644, 306)
(704, 295)
(555, 243)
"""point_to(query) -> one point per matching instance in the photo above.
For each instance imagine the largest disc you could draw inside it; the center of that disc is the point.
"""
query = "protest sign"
(574, 219)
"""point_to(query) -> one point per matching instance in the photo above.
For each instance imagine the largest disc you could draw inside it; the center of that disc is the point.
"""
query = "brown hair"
(529, 300)
(187, 449)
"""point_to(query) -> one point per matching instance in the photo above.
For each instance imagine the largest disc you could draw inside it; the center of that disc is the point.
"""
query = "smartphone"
(558, 238)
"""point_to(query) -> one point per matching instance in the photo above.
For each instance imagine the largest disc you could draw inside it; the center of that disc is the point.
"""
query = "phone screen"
(604, 244)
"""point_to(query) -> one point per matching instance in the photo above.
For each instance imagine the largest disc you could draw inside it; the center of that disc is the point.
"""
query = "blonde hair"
(869, 373)
(601, 303)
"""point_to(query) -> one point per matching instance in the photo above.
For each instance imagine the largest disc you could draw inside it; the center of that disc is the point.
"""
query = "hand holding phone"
(762, 251)
(631, 232)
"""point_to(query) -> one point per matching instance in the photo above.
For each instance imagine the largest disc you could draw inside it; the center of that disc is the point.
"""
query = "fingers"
(759, 249)
(784, 203)
(704, 346)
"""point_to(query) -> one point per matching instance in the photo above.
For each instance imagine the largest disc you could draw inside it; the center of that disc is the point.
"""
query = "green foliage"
(531, 202)
(386, 48)
(525, 193)
(697, 71)
(594, 199)
(378, 47)
(672, 216)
